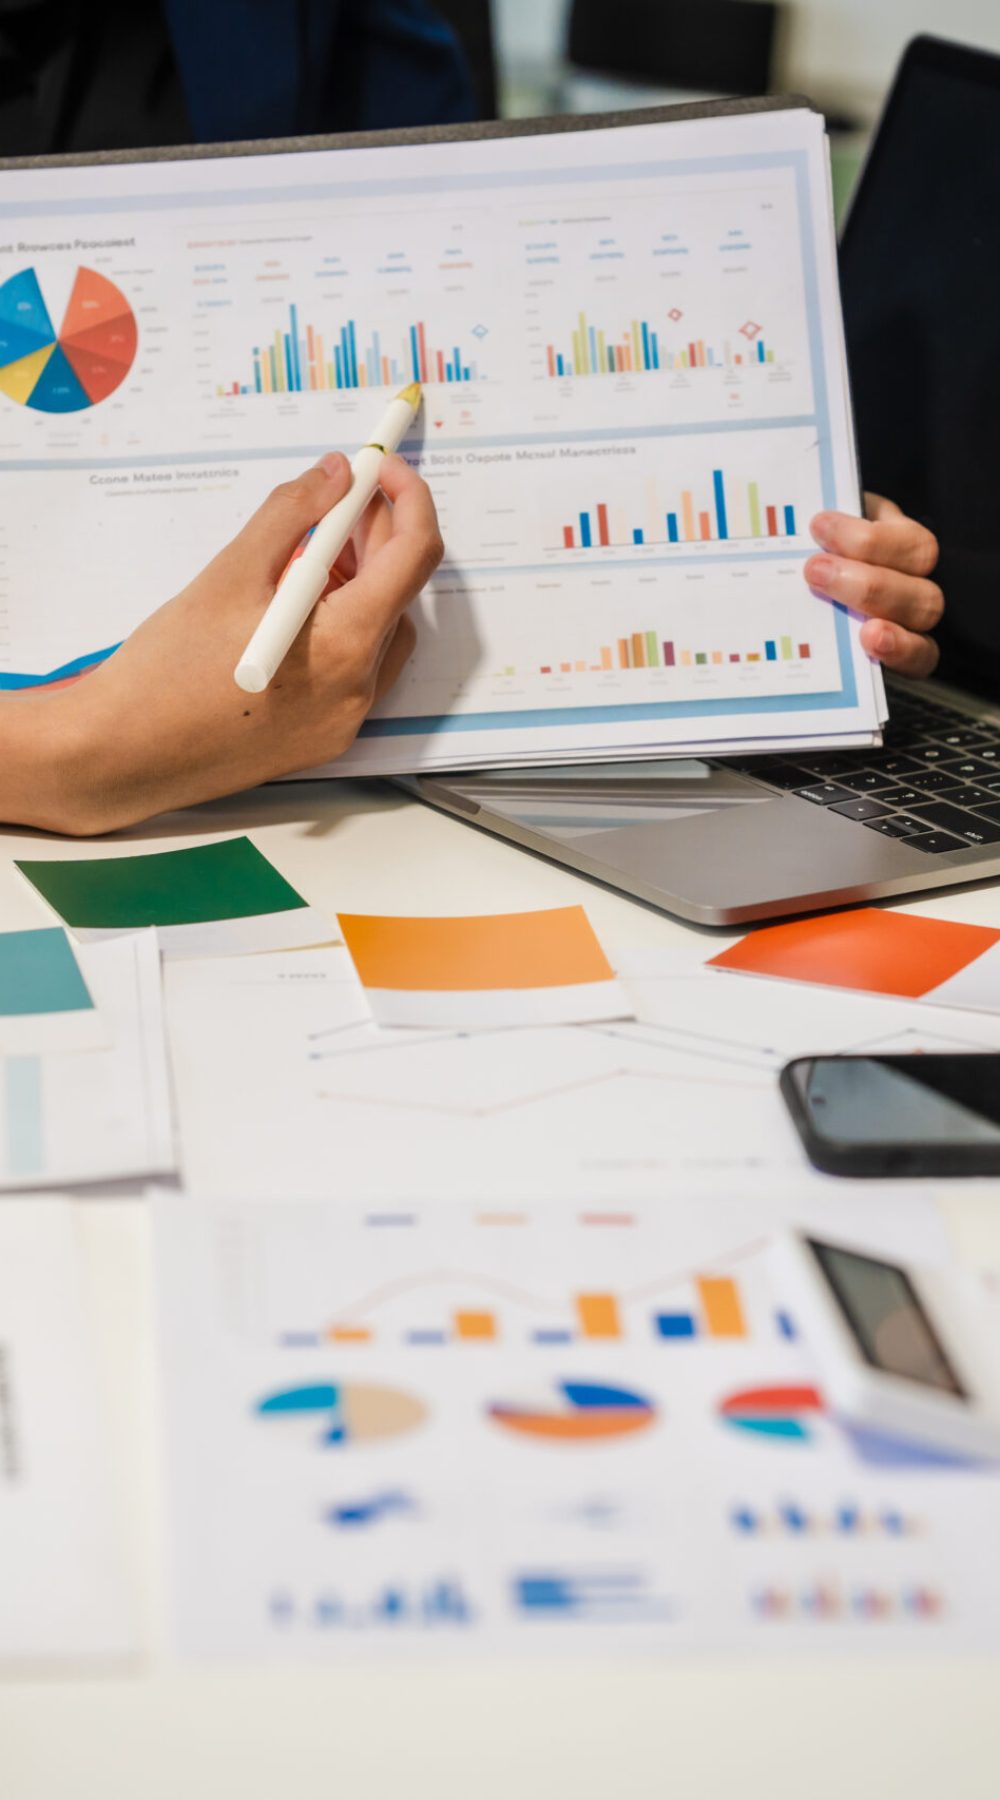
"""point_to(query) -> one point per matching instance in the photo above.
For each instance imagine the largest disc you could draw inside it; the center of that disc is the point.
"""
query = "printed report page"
(634, 401)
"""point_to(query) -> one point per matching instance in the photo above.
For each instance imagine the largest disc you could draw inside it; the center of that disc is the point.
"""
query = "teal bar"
(39, 974)
(22, 1080)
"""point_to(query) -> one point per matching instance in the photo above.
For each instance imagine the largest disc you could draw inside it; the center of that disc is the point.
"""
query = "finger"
(277, 528)
(904, 652)
(887, 538)
(878, 593)
(373, 529)
(396, 572)
(399, 647)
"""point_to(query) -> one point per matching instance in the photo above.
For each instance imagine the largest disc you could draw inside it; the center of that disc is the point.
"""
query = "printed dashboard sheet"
(537, 1427)
(634, 402)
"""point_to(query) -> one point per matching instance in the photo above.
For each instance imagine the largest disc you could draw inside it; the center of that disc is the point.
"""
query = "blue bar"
(391, 1219)
(415, 352)
(720, 503)
(345, 361)
(338, 367)
(647, 361)
(296, 370)
(711, 359)
(551, 1334)
(761, 357)
(656, 349)
(675, 1325)
(457, 363)
(289, 364)
(636, 535)
(354, 352)
(377, 354)
(449, 373)
(585, 530)
(427, 1337)
(673, 536)
(594, 366)
(299, 1340)
(22, 1080)
(467, 374)
(789, 521)
(770, 651)
(256, 371)
(786, 1326)
(559, 365)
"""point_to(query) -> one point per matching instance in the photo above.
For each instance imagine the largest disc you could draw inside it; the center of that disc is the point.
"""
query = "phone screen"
(881, 1308)
(903, 1100)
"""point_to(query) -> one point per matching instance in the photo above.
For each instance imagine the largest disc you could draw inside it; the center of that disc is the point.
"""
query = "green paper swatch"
(39, 974)
(177, 887)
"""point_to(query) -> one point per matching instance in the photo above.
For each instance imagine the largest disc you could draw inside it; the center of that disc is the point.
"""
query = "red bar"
(772, 522)
(546, 669)
(734, 656)
(602, 524)
(693, 355)
(706, 527)
(568, 539)
(552, 360)
(422, 351)
(804, 652)
(668, 654)
(440, 363)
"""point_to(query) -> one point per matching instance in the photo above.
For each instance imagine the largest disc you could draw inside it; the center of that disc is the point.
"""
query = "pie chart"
(573, 1412)
(76, 367)
(353, 1413)
(775, 1412)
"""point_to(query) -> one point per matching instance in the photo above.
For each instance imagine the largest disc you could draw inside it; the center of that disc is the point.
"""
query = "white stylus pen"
(305, 579)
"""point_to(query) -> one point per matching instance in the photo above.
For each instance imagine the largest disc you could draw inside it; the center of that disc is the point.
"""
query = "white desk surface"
(925, 1728)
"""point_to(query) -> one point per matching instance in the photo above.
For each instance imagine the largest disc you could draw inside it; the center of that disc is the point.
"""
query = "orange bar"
(475, 1325)
(623, 657)
(598, 1316)
(706, 527)
(566, 668)
(349, 1334)
(320, 360)
(716, 656)
(580, 666)
(720, 1299)
(605, 656)
(386, 377)
(553, 948)
(638, 650)
(701, 354)
(685, 659)
(687, 513)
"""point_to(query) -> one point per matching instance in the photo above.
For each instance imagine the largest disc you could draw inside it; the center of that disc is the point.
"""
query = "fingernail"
(820, 570)
(332, 463)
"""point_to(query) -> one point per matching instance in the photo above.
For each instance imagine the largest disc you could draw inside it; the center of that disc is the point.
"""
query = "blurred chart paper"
(45, 1003)
(62, 1586)
(222, 899)
(106, 1115)
(497, 969)
(876, 952)
(538, 1427)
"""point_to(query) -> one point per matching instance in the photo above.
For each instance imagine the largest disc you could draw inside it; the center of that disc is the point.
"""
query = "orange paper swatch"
(877, 952)
(555, 948)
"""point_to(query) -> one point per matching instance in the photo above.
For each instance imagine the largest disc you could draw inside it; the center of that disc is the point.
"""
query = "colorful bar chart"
(302, 359)
(640, 349)
(737, 517)
(594, 1316)
(647, 650)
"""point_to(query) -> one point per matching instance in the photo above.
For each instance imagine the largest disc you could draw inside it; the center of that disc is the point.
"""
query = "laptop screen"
(920, 271)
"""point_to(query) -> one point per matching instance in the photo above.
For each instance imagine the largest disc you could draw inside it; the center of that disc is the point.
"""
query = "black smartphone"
(897, 1115)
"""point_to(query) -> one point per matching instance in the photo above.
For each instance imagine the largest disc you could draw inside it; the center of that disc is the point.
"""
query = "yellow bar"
(685, 659)
(474, 1325)
(598, 1316)
(576, 354)
(279, 362)
(638, 650)
(320, 361)
(687, 512)
(582, 665)
(349, 1334)
(602, 354)
(636, 344)
(720, 1300)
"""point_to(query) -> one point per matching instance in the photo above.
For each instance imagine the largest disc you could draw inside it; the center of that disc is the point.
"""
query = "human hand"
(880, 567)
(162, 723)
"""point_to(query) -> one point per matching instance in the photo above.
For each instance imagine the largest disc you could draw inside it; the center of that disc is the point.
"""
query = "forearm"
(43, 762)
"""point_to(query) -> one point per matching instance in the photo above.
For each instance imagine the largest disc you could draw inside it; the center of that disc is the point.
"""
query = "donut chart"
(76, 367)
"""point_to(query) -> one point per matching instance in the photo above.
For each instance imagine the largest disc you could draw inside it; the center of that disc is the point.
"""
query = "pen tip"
(412, 394)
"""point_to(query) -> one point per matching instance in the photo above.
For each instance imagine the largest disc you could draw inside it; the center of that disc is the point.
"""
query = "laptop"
(720, 843)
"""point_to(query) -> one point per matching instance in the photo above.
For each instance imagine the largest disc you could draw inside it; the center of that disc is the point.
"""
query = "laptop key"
(932, 780)
(893, 826)
(829, 767)
(860, 809)
(992, 811)
(973, 828)
(906, 796)
(868, 781)
(781, 775)
(968, 768)
(896, 764)
(963, 796)
(964, 740)
(825, 793)
(936, 843)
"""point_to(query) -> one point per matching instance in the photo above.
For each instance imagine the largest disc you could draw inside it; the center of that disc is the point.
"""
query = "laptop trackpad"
(571, 811)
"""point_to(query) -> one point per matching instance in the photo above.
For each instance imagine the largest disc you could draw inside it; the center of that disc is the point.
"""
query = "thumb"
(277, 528)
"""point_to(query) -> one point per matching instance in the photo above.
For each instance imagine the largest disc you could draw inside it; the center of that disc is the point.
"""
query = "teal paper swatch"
(40, 974)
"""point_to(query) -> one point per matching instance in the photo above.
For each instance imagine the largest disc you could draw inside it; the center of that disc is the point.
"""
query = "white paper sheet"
(62, 1584)
(660, 504)
(68, 1118)
(284, 1086)
(363, 1419)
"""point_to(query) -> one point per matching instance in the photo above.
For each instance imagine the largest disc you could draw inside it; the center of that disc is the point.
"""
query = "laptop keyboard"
(935, 783)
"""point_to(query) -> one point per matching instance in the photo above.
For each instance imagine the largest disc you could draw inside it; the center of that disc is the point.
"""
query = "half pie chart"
(573, 1412)
(77, 366)
(352, 1412)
